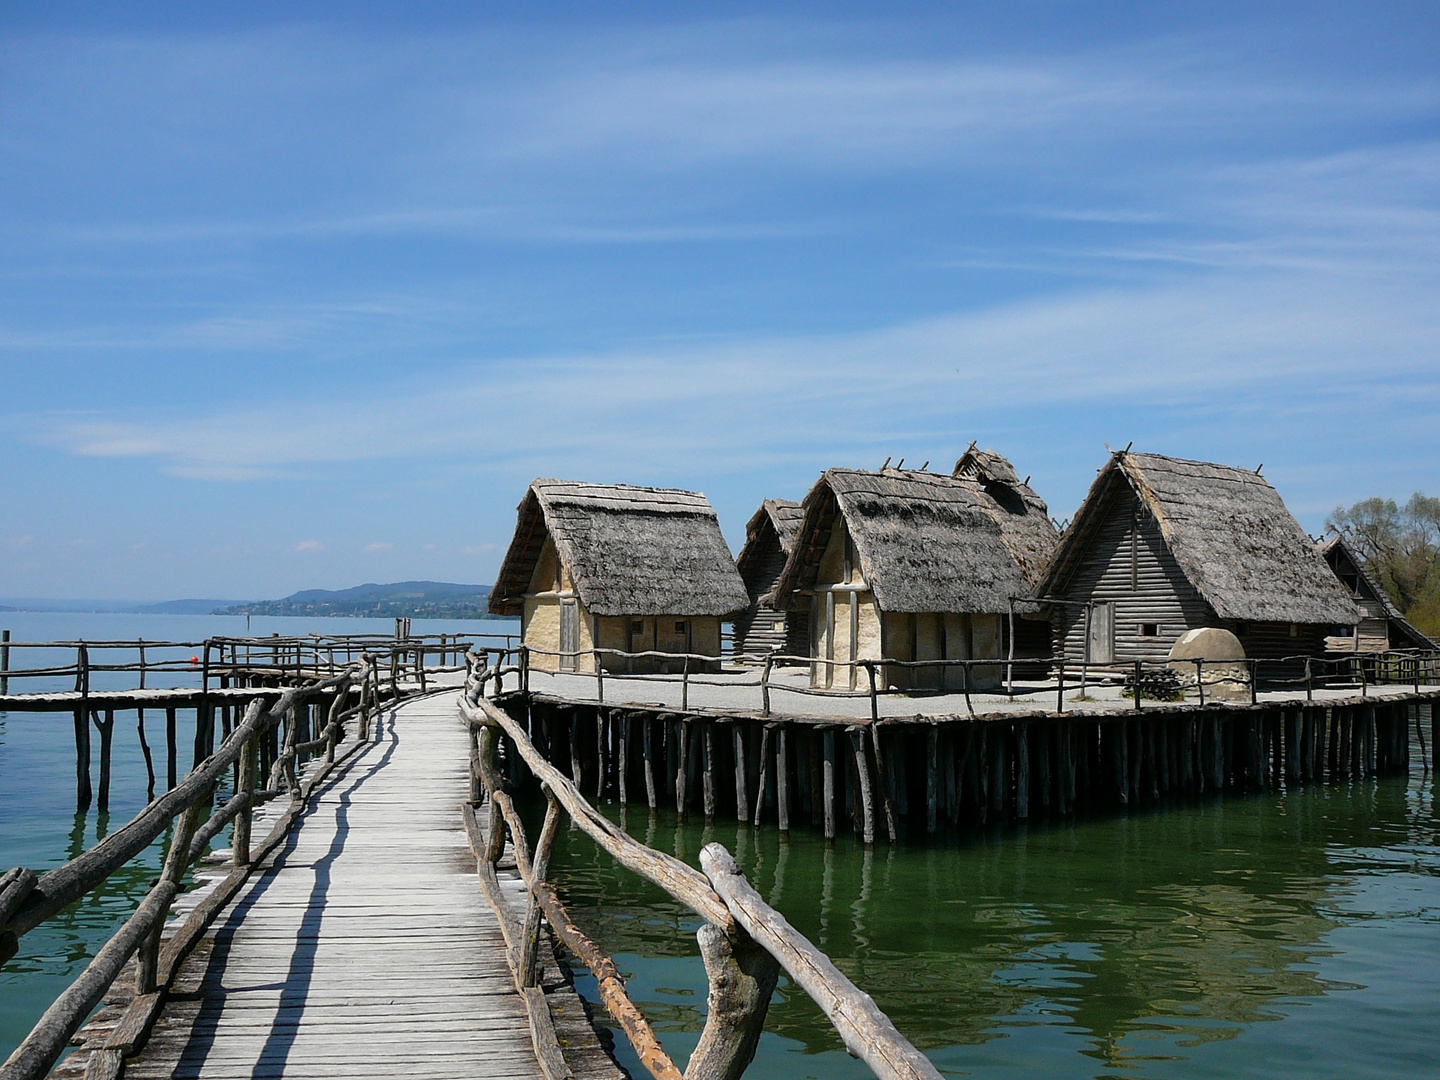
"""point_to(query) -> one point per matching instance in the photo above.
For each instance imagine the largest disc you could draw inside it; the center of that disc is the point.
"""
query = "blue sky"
(303, 296)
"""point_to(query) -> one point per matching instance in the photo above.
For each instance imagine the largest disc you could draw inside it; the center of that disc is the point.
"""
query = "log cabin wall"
(1129, 565)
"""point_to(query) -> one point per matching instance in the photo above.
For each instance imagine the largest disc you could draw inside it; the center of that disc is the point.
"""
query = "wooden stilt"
(782, 780)
(149, 761)
(1022, 771)
(622, 758)
(170, 749)
(765, 738)
(742, 798)
(862, 771)
(932, 776)
(107, 729)
(709, 773)
(884, 767)
(682, 767)
(828, 773)
(645, 738)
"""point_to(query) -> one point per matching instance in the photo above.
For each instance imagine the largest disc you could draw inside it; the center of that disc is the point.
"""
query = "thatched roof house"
(609, 566)
(913, 565)
(769, 538)
(1382, 626)
(1162, 546)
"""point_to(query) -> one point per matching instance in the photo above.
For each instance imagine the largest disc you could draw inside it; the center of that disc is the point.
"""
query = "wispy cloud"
(307, 547)
(1244, 339)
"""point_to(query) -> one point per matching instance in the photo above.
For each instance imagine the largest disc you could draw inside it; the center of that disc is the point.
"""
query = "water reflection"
(1134, 941)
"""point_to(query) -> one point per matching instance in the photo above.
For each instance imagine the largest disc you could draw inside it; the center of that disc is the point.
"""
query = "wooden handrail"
(26, 901)
(867, 1032)
(743, 941)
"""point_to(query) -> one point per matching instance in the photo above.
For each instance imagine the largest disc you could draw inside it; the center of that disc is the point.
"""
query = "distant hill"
(413, 599)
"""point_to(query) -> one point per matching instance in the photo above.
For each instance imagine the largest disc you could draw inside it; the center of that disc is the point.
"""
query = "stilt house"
(1162, 546)
(769, 539)
(1381, 625)
(911, 565)
(609, 566)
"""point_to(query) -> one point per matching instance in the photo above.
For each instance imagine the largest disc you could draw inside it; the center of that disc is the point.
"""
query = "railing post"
(1060, 687)
(82, 728)
(874, 694)
(524, 668)
(527, 969)
(240, 846)
(1137, 685)
(1254, 678)
(599, 676)
(1200, 680)
(4, 661)
(765, 684)
(176, 862)
(685, 683)
(1309, 684)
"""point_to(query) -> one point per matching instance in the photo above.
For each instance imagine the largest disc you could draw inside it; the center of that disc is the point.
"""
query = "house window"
(1294, 629)
(680, 626)
(1149, 629)
(637, 626)
(1241, 629)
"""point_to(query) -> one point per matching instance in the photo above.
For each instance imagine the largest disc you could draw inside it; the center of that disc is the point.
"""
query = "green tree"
(1400, 547)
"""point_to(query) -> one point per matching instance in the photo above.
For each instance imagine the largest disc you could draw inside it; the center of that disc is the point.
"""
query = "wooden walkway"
(364, 946)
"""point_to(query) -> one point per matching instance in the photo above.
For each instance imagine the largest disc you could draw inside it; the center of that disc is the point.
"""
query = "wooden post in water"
(862, 770)
(4, 661)
(651, 799)
(107, 729)
(170, 769)
(828, 774)
(742, 796)
(82, 729)
(932, 776)
(782, 782)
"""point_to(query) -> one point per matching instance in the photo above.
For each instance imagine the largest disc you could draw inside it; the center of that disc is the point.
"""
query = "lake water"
(39, 827)
(1266, 936)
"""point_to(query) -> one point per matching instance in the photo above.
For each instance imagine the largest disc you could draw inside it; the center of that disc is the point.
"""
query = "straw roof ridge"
(1023, 517)
(631, 550)
(1230, 533)
(778, 517)
(926, 542)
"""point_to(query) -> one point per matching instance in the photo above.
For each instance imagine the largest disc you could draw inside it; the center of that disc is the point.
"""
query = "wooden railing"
(28, 900)
(1300, 672)
(744, 943)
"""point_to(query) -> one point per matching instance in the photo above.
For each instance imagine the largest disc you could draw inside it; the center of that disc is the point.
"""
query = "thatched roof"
(1332, 549)
(630, 550)
(779, 518)
(1022, 515)
(926, 542)
(1229, 532)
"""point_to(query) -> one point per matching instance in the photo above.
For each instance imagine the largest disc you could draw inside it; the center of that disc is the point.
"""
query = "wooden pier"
(362, 946)
(389, 922)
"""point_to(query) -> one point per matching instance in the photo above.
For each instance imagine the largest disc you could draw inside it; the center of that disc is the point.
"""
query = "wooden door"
(569, 634)
(1100, 648)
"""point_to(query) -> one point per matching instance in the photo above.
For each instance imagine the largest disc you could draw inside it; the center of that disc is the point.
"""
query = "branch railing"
(744, 943)
(27, 900)
(218, 660)
(1240, 677)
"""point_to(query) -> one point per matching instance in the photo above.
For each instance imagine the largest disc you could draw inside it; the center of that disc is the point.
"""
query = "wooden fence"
(26, 901)
(744, 943)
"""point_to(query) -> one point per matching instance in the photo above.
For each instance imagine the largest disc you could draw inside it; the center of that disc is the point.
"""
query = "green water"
(1291, 935)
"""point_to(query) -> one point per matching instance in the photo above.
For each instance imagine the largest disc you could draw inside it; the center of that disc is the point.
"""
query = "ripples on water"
(1291, 935)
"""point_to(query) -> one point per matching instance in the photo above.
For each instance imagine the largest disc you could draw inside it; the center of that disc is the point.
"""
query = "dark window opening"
(637, 626)
(679, 627)
(1149, 629)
